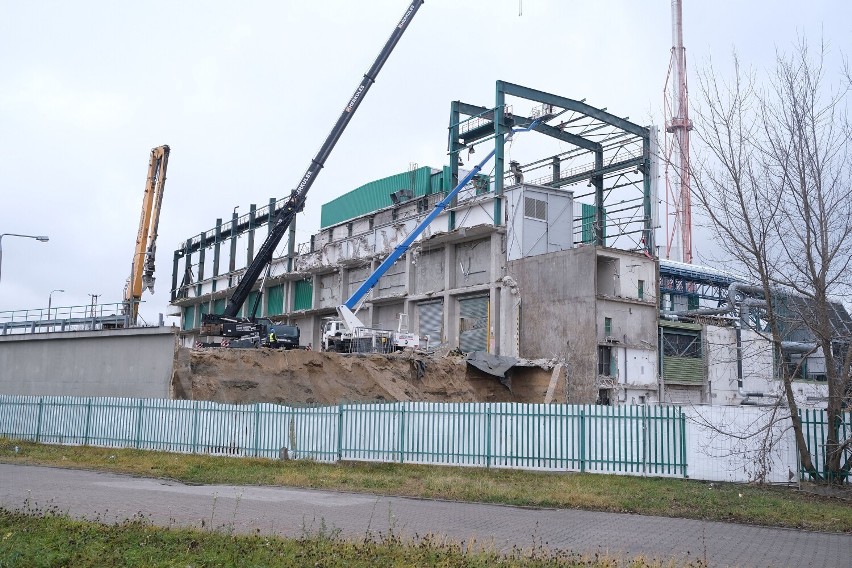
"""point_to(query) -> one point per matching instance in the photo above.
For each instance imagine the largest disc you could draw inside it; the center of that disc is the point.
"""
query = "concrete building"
(521, 288)
(559, 266)
(554, 258)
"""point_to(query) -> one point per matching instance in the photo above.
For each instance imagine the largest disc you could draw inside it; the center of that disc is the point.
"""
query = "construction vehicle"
(341, 335)
(229, 324)
(286, 337)
(142, 267)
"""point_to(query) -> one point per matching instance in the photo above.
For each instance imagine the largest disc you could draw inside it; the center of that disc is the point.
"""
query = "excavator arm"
(142, 267)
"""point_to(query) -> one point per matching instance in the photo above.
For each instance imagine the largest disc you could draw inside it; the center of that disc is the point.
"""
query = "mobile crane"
(142, 267)
(229, 324)
(338, 334)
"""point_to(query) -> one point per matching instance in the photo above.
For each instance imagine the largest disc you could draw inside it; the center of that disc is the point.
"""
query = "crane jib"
(297, 198)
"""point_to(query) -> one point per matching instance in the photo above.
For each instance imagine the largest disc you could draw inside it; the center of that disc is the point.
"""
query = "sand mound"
(311, 377)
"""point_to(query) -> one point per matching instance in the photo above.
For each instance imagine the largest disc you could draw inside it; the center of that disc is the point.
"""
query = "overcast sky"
(245, 92)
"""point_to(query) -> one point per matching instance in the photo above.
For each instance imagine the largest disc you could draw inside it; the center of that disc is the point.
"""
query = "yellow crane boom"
(142, 268)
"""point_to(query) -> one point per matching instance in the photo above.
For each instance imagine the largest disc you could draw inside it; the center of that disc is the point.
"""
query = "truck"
(287, 336)
(337, 337)
(229, 325)
(341, 334)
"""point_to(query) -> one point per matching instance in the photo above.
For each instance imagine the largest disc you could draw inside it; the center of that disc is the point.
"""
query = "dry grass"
(768, 506)
(43, 538)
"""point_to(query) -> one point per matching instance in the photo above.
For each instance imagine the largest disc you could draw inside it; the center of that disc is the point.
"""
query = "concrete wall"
(562, 309)
(134, 362)
(557, 314)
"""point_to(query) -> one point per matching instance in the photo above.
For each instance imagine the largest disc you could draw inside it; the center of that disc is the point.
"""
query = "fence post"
(645, 441)
(139, 425)
(38, 423)
(256, 427)
(683, 443)
(88, 421)
(489, 436)
(340, 431)
(194, 426)
(582, 440)
(402, 433)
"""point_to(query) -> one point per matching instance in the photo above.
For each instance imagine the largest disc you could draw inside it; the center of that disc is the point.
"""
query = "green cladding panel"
(275, 300)
(303, 297)
(374, 196)
(587, 220)
(249, 305)
(219, 306)
(683, 370)
(188, 317)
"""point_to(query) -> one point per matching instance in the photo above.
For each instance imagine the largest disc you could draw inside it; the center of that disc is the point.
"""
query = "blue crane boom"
(400, 249)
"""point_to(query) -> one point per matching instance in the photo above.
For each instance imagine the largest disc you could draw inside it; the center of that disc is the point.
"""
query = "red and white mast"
(678, 125)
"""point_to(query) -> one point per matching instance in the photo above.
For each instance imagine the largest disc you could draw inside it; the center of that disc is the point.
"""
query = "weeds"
(45, 538)
(649, 496)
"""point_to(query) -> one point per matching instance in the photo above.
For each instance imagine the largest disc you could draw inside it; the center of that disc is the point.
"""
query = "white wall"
(728, 443)
(758, 370)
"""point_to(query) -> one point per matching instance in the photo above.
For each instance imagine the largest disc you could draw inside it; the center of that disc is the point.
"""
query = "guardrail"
(64, 318)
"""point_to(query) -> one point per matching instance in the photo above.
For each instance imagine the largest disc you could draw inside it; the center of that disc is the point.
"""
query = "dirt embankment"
(311, 377)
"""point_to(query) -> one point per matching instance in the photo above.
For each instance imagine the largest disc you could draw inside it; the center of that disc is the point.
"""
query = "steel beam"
(570, 104)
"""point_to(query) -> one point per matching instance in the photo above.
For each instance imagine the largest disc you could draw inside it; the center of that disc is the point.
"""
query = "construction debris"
(246, 376)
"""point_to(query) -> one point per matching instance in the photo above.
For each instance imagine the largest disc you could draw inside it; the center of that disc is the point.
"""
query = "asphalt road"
(112, 498)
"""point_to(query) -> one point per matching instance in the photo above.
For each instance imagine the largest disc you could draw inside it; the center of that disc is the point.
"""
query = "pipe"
(797, 347)
(744, 290)
(698, 312)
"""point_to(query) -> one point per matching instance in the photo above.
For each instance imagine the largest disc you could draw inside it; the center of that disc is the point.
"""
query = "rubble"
(301, 377)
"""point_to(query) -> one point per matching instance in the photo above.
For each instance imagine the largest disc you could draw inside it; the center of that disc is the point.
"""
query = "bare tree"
(774, 179)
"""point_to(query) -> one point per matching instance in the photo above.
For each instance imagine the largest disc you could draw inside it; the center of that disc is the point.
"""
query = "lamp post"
(49, 303)
(40, 238)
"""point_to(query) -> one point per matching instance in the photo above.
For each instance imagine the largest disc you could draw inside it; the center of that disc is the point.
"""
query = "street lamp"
(50, 301)
(40, 238)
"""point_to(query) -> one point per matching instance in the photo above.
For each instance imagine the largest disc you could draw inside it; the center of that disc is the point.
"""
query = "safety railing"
(64, 318)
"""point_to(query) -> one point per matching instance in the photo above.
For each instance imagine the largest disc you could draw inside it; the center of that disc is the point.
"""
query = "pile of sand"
(312, 377)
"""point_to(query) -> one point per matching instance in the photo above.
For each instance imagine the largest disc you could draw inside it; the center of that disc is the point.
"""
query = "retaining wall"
(136, 362)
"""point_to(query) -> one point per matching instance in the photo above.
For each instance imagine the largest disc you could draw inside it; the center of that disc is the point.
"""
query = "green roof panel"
(374, 196)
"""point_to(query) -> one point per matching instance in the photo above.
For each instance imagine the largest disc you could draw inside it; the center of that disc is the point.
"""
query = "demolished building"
(552, 259)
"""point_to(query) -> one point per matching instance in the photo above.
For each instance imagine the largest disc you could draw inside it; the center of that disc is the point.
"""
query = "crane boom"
(296, 202)
(345, 311)
(142, 267)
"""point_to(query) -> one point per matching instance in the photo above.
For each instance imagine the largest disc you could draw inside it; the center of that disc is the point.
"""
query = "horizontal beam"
(623, 165)
(571, 104)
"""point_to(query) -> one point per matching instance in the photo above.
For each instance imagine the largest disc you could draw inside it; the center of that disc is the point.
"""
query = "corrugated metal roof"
(374, 196)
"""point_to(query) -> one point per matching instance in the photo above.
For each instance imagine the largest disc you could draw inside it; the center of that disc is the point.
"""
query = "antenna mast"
(678, 125)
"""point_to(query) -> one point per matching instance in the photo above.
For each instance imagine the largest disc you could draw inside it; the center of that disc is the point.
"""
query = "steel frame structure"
(610, 154)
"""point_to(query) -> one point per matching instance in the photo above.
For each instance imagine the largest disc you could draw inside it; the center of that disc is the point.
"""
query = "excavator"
(228, 324)
(142, 267)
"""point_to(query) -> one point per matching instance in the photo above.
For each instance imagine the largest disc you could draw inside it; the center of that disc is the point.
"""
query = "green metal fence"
(637, 440)
(815, 428)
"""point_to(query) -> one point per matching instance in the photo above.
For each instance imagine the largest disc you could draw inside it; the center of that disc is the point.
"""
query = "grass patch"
(33, 539)
(615, 493)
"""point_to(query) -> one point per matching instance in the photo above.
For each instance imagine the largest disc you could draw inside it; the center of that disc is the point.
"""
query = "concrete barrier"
(135, 362)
